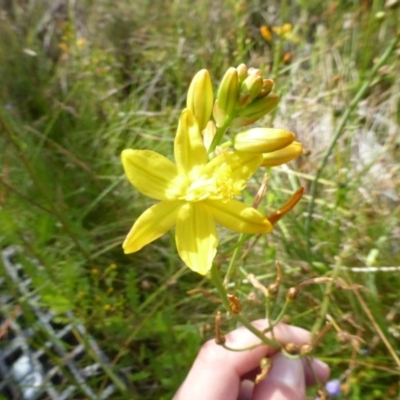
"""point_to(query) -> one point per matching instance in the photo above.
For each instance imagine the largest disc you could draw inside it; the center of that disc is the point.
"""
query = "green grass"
(80, 84)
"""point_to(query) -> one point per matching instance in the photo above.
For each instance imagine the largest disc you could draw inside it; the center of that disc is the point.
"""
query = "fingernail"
(287, 371)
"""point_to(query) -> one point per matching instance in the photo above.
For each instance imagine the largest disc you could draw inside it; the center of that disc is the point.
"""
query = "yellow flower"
(266, 33)
(193, 194)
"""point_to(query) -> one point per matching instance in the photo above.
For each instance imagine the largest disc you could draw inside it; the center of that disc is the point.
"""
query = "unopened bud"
(227, 96)
(262, 140)
(249, 90)
(200, 98)
(242, 72)
(255, 110)
(268, 84)
(282, 156)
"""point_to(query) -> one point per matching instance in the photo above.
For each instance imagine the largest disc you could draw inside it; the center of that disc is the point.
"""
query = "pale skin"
(220, 374)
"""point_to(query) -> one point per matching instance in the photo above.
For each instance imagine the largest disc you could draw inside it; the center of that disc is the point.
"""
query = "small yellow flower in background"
(81, 43)
(193, 194)
(286, 32)
(287, 57)
(266, 33)
(283, 30)
(63, 47)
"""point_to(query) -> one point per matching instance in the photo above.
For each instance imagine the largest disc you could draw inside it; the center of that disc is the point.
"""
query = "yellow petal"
(243, 165)
(152, 174)
(238, 216)
(196, 237)
(189, 149)
(152, 224)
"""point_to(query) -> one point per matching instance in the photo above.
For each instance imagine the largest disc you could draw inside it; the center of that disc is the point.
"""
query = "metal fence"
(39, 357)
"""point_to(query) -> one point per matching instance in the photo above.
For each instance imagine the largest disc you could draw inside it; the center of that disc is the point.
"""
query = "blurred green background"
(81, 81)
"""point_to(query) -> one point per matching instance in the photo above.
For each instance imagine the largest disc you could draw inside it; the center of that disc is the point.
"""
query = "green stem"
(216, 279)
(337, 134)
(278, 47)
(232, 264)
(325, 302)
(219, 134)
(281, 314)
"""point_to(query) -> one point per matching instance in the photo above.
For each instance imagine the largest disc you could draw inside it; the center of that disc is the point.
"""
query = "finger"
(285, 380)
(315, 371)
(217, 372)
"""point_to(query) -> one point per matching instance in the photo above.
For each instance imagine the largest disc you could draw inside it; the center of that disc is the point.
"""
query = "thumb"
(285, 380)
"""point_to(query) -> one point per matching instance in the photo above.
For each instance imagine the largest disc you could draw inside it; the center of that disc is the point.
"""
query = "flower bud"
(266, 88)
(200, 98)
(227, 96)
(242, 72)
(262, 140)
(255, 110)
(249, 90)
(283, 155)
(254, 71)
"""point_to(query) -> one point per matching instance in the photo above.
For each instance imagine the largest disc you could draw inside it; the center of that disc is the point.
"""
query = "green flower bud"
(255, 110)
(282, 156)
(200, 98)
(262, 140)
(227, 96)
(249, 90)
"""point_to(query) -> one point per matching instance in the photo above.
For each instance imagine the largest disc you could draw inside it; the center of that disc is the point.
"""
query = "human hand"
(220, 374)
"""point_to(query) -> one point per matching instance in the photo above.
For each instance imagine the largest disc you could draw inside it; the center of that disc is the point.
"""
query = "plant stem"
(224, 297)
(232, 263)
(218, 135)
(325, 302)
